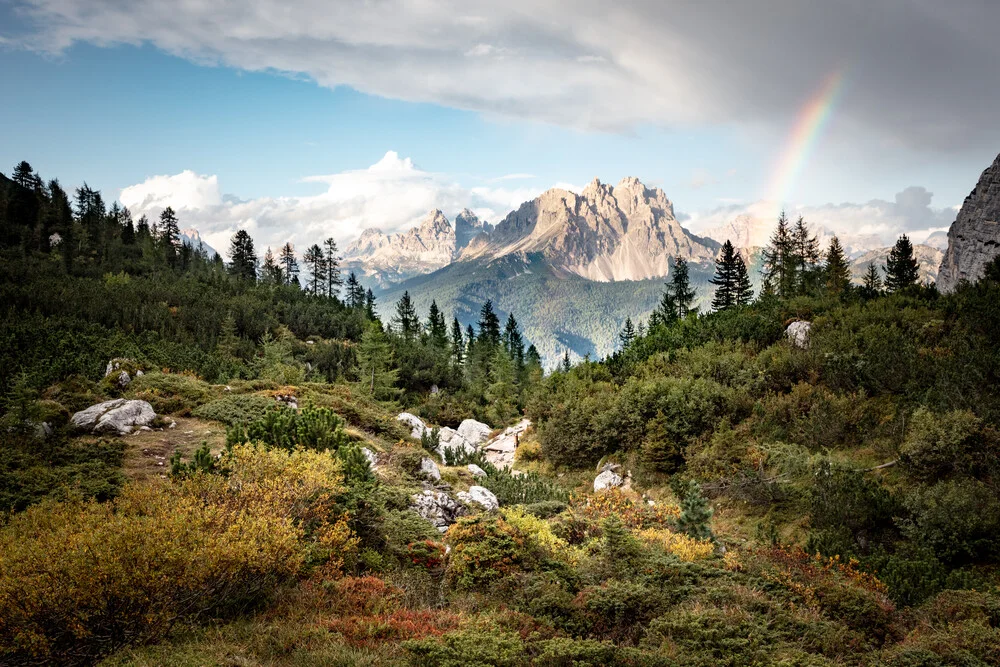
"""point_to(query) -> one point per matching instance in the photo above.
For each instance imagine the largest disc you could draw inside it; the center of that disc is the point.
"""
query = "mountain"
(929, 258)
(937, 240)
(605, 233)
(974, 237)
(191, 237)
(750, 232)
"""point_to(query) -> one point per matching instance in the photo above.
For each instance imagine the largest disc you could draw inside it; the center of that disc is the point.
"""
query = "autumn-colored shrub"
(684, 547)
(628, 506)
(484, 550)
(396, 626)
(426, 553)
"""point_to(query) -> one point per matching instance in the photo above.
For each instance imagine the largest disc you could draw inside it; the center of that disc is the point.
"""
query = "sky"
(301, 119)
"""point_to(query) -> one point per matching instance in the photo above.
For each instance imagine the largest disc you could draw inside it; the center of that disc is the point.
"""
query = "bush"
(484, 550)
(235, 408)
(938, 446)
(957, 519)
(169, 393)
(285, 428)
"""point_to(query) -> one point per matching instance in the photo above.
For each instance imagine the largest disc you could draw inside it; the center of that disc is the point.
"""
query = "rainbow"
(802, 139)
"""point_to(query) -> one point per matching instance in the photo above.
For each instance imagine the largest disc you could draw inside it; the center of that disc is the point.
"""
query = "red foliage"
(426, 553)
(400, 625)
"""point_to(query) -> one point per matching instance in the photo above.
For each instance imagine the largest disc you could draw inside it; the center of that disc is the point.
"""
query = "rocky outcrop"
(449, 438)
(625, 232)
(475, 432)
(121, 370)
(391, 258)
(430, 470)
(415, 423)
(438, 508)
(476, 470)
(481, 496)
(798, 334)
(115, 417)
(371, 457)
(974, 237)
(928, 258)
(500, 450)
(608, 477)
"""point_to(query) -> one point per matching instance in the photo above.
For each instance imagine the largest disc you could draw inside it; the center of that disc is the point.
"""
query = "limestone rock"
(416, 424)
(371, 456)
(117, 417)
(500, 450)
(798, 334)
(429, 469)
(118, 368)
(476, 470)
(974, 237)
(453, 440)
(608, 480)
(475, 432)
(438, 508)
(481, 496)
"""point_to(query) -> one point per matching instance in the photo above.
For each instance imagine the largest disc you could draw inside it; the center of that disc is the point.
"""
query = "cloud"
(876, 223)
(919, 73)
(392, 194)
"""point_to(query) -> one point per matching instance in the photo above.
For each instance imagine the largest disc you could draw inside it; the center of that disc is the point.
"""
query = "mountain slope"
(927, 257)
(974, 237)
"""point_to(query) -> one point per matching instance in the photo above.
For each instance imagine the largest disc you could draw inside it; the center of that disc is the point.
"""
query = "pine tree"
(355, 292)
(315, 261)
(375, 372)
(370, 305)
(271, 270)
(742, 289)
(406, 321)
(872, 286)
(901, 268)
(334, 281)
(24, 175)
(806, 252)
(780, 262)
(243, 257)
(437, 330)
(837, 273)
(170, 235)
(289, 265)
(457, 343)
(489, 326)
(513, 342)
(725, 278)
(627, 335)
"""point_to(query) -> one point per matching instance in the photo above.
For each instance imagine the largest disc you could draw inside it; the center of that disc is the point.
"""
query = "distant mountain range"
(191, 237)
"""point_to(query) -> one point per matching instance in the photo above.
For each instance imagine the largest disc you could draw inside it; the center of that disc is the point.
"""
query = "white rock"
(371, 456)
(452, 439)
(117, 416)
(438, 508)
(500, 450)
(607, 480)
(798, 333)
(476, 470)
(481, 496)
(139, 374)
(475, 432)
(430, 469)
(416, 424)
(172, 424)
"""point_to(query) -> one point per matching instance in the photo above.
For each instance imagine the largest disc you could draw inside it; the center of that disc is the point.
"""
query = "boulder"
(475, 432)
(416, 424)
(371, 456)
(798, 334)
(500, 450)
(608, 479)
(481, 496)
(118, 369)
(452, 439)
(476, 470)
(438, 508)
(429, 469)
(118, 416)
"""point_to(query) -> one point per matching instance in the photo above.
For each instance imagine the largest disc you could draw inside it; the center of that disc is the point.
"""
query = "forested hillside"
(218, 462)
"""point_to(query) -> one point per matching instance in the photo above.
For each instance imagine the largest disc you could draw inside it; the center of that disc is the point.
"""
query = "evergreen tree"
(489, 326)
(406, 321)
(375, 372)
(780, 261)
(289, 265)
(457, 343)
(370, 305)
(532, 358)
(901, 267)
(725, 278)
(128, 228)
(696, 513)
(627, 335)
(742, 289)
(837, 273)
(436, 328)
(315, 261)
(170, 235)
(805, 248)
(677, 296)
(271, 270)
(566, 364)
(333, 279)
(513, 342)
(501, 394)
(872, 286)
(470, 339)
(24, 175)
(243, 257)
(355, 292)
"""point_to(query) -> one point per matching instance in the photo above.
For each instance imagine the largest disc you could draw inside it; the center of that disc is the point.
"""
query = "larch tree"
(315, 261)
(289, 265)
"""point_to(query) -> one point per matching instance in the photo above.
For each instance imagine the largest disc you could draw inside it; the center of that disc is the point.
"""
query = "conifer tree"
(566, 364)
(837, 274)
(489, 326)
(406, 321)
(170, 234)
(725, 278)
(355, 292)
(901, 268)
(470, 339)
(501, 393)
(457, 343)
(334, 281)
(742, 289)
(242, 257)
(627, 335)
(696, 513)
(780, 262)
(289, 265)
(375, 372)
(370, 305)
(681, 282)
(437, 330)
(513, 342)
(271, 270)
(872, 286)
(128, 228)
(315, 261)
(24, 175)
(532, 359)
(805, 249)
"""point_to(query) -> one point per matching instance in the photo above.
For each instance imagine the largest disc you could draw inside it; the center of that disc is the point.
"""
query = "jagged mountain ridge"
(974, 237)
(928, 257)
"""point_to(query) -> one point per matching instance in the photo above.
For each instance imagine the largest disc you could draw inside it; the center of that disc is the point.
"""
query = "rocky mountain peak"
(974, 237)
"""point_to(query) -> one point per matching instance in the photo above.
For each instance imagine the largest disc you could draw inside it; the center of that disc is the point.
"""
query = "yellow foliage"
(530, 450)
(538, 531)
(82, 579)
(684, 547)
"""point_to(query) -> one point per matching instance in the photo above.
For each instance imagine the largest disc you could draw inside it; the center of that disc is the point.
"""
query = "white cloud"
(392, 194)
(574, 62)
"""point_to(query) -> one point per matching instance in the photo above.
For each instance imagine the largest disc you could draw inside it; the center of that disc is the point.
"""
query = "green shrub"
(235, 408)
(484, 550)
(169, 393)
(954, 443)
(285, 428)
(467, 647)
(959, 520)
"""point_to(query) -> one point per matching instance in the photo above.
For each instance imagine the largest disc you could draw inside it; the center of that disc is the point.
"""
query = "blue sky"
(488, 105)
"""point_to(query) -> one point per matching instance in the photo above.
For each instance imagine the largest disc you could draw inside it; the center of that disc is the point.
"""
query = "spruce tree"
(242, 257)
(289, 265)
(901, 267)
(315, 261)
(128, 228)
(333, 279)
(780, 261)
(355, 292)
(566, 364)
(470, 339)
(271, 270)
(170, 234)
(457, 342)
(437, 330)
(513, 342)
(406, 322)
(805, 249)
(696, 513)
(370, 305)
(725, 278)
(627, 335)
(683, 292)
(872, 286)
(837, 273)
(742, 289)
(489, 326)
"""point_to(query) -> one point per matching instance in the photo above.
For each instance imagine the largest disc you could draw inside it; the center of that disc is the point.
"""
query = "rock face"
(625, 232)
(475, 432)
(389, 258)
(974, 237)
(798, 334)
(480, 495)
(500, 450)
(438, 508)
(928, 257)
(115, 417)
